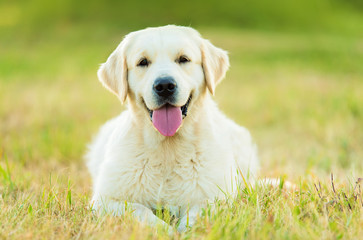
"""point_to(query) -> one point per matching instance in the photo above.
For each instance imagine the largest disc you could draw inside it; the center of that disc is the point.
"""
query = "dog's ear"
(215, 64)
(113, 73)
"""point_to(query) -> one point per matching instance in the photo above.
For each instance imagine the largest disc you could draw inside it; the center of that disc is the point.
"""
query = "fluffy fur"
(129, 160)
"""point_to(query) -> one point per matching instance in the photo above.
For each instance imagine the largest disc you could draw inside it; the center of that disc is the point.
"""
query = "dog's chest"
(174, 178)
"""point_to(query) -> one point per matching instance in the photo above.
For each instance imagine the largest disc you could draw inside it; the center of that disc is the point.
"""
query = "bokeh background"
(296, 81)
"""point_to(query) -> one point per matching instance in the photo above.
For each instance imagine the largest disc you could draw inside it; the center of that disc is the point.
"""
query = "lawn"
(299, 93)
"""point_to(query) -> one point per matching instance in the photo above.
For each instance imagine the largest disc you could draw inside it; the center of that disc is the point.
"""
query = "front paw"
(184, 225)
(182, 228)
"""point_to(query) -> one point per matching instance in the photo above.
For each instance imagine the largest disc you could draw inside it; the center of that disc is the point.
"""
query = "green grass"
(300, 95)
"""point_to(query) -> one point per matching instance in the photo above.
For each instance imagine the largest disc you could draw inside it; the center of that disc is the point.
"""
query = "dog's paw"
(185, 224)
(183, 228)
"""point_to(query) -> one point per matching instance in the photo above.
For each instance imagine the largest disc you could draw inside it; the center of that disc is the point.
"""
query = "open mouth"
(168, 118)
(184, 109)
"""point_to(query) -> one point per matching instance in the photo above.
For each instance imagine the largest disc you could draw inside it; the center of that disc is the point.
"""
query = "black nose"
(164, 86)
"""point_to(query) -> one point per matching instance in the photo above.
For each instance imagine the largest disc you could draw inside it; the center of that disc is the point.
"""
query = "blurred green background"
(332, 15)
(67, 25)
(295, 79)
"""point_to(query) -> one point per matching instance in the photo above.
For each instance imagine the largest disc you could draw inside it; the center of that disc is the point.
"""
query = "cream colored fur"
(129, 160)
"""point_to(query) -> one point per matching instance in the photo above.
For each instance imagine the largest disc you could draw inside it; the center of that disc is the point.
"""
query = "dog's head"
(162, 71)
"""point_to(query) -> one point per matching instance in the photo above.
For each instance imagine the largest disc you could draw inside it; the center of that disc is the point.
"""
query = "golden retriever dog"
(172, 147)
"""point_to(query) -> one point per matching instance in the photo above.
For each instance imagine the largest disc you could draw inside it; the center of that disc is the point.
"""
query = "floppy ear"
(113, 73)
(215, 64)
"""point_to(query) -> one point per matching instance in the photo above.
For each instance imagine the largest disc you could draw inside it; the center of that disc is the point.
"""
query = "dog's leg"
(139, 211)
(189, 218)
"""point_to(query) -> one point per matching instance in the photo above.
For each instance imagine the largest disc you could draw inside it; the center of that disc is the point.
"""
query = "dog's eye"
(183, 59)
(143, 63)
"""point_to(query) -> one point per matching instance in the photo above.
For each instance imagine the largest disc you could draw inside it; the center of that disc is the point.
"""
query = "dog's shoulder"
(98, 147)
(239, 141)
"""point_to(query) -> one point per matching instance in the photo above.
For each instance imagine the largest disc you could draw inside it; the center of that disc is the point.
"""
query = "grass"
(300, 95)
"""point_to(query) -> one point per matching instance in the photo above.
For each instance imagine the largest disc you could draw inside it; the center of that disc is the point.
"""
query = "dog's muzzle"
(184, 109)
(168, 118)
(165, 87)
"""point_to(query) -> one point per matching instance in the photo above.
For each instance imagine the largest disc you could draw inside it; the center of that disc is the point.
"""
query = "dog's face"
(162, 71)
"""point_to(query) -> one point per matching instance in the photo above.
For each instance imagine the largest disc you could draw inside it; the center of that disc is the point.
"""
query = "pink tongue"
(167, 119)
